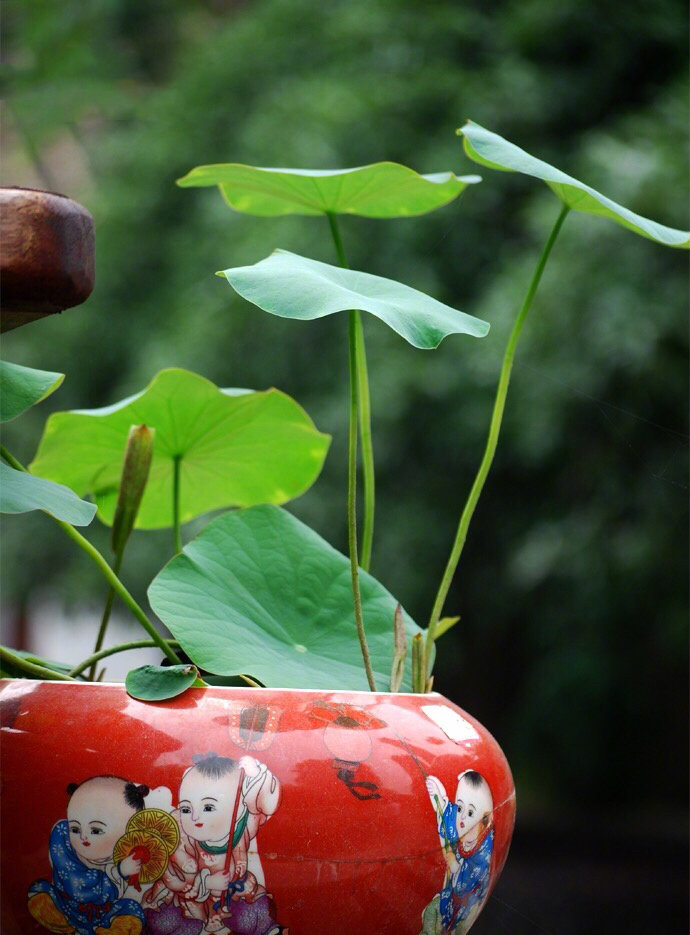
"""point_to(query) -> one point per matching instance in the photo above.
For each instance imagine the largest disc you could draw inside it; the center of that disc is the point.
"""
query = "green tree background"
(572, 646)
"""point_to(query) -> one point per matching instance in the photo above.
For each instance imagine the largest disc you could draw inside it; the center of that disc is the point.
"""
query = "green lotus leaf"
(292, 286)
(258, 591)
(22, 387)
(233, 447)
(382, 190)
(157, 683)
(491, 150)
(21, 493)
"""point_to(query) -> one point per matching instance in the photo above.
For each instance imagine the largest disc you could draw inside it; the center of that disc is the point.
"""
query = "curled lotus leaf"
(491, 150)
(292, 286)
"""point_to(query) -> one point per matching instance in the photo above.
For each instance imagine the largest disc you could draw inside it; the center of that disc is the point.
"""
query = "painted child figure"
(87, 893)
(210, 877)
(466, 833)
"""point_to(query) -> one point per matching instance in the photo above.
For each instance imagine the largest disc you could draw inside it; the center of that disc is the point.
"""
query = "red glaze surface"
(353, 845)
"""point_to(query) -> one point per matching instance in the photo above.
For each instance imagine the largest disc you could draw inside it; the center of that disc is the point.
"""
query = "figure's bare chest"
(212, 861)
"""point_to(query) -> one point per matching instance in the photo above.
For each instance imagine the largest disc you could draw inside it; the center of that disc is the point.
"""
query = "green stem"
(106, 613)
(120, 590)
(11, 460)
(494, 429)
(106, 570)
(176, 504)
(93, 659)
(32, 668)
(364, 415)
(352, 502)
(367, 445)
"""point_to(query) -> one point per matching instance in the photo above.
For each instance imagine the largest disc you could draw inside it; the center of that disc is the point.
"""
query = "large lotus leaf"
(21, 493)
(235, 448)
(382, 190)
(23, 387)
(293, 286)
(489, 149)
(259, 592)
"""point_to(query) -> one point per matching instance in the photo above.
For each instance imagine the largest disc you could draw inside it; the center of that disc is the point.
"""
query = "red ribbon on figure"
(228, 857)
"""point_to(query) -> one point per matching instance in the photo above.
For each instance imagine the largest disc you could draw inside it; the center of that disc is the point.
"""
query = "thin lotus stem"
(367, 445)
(11, 460)
(352, 503)
(139, 644)
(364, 416)
(120, 590)
(106, 614)
(106, 570)
(176, 504)
(93, 659)
(33, 668)
(494, 430)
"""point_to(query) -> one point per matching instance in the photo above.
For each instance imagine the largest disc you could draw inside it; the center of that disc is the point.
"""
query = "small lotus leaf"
(23, 387)
(258, 591)
(382, 190)
(21, 493)
(235, 448)
(292, 286)
(489, 149)
(156, 683)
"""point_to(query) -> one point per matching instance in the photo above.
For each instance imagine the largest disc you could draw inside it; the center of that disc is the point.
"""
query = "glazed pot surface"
(349, 812)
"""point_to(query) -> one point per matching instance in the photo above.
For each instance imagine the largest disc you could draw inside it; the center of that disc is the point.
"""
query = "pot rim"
(271, 688)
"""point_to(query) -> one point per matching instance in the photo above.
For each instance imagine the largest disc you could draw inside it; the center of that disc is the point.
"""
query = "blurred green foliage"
(572, 646)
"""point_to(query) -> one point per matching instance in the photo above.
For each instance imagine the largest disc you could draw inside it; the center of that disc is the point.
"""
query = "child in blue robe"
(86, 895)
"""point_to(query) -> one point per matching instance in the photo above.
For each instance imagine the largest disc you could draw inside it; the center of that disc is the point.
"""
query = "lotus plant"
(257, 594)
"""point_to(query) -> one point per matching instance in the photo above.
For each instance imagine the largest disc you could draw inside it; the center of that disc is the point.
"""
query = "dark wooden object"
(46, 255)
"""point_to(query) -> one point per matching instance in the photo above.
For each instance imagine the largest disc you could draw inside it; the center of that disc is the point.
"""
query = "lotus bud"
(135, 472)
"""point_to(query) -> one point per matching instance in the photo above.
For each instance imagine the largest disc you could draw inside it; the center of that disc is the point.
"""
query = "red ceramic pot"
(349, 812)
